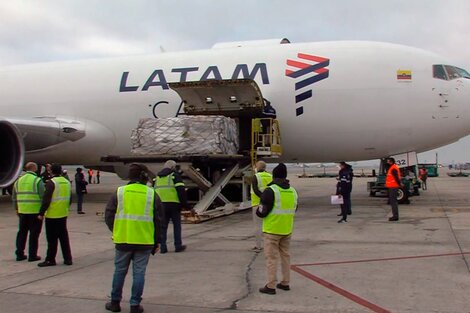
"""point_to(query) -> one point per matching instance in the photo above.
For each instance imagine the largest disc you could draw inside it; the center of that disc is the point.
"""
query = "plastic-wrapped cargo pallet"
(186, 135)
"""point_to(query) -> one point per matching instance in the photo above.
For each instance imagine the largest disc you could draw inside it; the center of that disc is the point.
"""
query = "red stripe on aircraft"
(311, 57)
(297, 64)
(321, 70)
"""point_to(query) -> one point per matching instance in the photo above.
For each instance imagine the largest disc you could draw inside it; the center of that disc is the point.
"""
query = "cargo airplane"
(345, 100)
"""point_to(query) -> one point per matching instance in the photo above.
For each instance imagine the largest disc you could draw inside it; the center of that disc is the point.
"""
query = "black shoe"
(283, 287)
(267, 290)
(342, 221)
(137, 309)
(163, 250)
(46, 263)
(21, 258)
(349, 213)
(34, 258)
(113, 306)
(180, 249)
(68, 262)
(393, 219)
(80, 212)
(340, 214)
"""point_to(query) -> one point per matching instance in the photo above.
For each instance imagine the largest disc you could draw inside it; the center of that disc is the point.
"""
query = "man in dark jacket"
(344, 188)
(268, 112)
(47, 174)
(133, 214)
(80, 189)
(279, 204)
(172, 193)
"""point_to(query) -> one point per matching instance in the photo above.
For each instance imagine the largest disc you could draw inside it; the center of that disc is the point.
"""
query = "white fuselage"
(360, 111)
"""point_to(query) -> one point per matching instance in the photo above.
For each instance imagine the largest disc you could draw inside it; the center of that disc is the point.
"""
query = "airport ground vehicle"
(409, 179)
(432, 168)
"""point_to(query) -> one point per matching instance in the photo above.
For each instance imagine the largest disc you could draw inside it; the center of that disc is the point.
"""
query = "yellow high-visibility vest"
(263, 179)
(280, 221)
(133, 223)
(166, 188)
(27, 190)
(60, 202)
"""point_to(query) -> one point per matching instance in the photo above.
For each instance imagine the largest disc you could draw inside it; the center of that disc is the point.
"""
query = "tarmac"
(419, 264)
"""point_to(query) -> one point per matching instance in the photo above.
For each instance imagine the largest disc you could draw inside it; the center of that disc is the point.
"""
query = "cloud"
(49, 30)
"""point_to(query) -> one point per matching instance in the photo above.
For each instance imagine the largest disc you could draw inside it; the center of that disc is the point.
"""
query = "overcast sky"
(45, 30)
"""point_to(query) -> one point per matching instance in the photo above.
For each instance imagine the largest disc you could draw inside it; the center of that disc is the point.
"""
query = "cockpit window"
(463, 73)
(449, 72)
(439, 72)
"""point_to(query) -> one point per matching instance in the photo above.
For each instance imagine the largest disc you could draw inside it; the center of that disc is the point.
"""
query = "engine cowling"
(11, 153)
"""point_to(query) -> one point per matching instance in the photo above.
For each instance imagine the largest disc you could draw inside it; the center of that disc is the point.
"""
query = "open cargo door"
(231, 98)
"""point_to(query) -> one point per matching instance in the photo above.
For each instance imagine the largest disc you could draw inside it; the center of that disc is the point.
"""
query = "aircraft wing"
(43, 132)
(20, 135)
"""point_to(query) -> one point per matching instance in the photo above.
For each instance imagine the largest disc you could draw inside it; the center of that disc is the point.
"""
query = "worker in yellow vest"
(55, 207)
(259, 183)
(393, 183)
(133, 214)
(172, 192)
(27, 196)
(278, 207)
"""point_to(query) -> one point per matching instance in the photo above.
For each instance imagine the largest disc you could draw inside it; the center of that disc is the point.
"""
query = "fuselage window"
(439, 72)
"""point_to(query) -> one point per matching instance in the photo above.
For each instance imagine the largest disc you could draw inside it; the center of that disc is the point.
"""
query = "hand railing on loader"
(265, 139)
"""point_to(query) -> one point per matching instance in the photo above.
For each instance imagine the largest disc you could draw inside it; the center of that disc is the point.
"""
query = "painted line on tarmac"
(385, 259)
(361, 301)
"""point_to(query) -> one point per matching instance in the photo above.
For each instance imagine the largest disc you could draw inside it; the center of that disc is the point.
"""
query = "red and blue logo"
(310, 69)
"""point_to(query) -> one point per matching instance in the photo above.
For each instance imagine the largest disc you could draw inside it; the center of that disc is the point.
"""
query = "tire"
(372, 194)
(402, 196)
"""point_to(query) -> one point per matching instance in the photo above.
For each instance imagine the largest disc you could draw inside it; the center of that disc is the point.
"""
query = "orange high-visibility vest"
(390, 181)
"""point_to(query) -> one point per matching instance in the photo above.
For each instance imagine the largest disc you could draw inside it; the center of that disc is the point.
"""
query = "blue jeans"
(122, 260)
(174, 215)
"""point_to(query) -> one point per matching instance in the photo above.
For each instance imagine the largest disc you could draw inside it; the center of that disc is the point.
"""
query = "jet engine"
(11, 153)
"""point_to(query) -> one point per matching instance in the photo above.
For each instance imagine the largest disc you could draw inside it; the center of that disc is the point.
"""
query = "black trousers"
(392, 196)
(28, 223)
(56, 230)
(172, 213)
(346, 206)
(79, 201)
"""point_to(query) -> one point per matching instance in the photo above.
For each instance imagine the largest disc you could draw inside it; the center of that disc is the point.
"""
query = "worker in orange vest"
(393, 183)
(90, 176)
